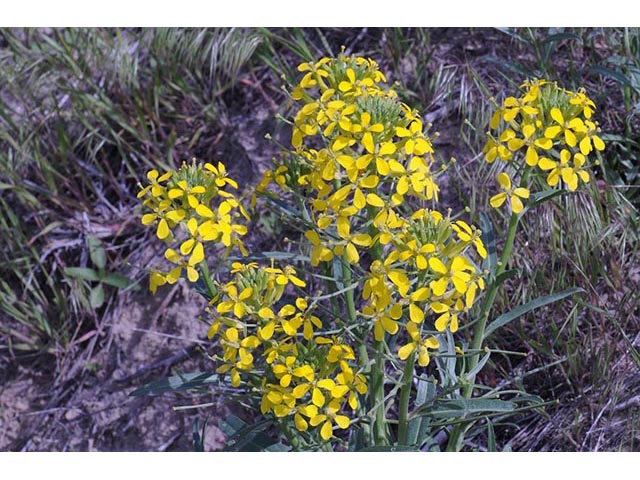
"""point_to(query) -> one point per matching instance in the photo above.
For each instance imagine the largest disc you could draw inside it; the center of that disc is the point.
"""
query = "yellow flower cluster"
(552, 128)
(427, 271)
(278, 351)
(356, 149)
(360, 160)
(180, 203)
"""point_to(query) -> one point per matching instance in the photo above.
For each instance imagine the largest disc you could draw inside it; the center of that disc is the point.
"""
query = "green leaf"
(504, 276)
(198, 437)
(278, 447)
(464, 407)
(489, 240)
(528, 307)
(96, 298)
(537, 198)
(284, 207)
(97, 253)
(242, 437)
(491, 436)
(607, 72)
(483, 361)
(418, 426)
(512, 33)
(201, 287)
(116, 280)
(177, 383)
(561, 36)
(390, 448)
(82, 273)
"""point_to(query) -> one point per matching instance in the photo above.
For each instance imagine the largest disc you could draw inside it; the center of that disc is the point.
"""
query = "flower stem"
(207, 279)
(377, 383)
(457, 435)
(378, 367)
(478, 334)
(362, 345)
(405, 393)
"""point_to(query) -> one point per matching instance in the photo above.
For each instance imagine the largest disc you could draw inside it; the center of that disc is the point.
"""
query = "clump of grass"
(83, 112)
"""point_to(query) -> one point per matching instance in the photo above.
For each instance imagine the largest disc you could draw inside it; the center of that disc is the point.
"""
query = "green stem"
(457, 435)
(349, 296)
(378, 367)
(377, 380)
(362, 345)
(478, 334)
(405, 393)
(207, 279)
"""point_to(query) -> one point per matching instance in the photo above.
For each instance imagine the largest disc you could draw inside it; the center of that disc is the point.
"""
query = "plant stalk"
(207, 279)
(405, 393)
(457, 435)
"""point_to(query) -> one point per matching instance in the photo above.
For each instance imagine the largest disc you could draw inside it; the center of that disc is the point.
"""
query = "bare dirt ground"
(140, 338)
(92, 410)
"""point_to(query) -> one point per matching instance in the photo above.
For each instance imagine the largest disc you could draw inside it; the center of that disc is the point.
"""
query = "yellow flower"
(355, 383)
(367, 130)
(236, 301)
(512, 106)
(157, 190)
(385, 319)
(193, 245)
(286, 276)
(514, 195)
(413, 138)
(570, 127)
(360, 239)
(569, 174)
(182, 190)
(467, 234)
(173, 276)
(418, 343)
(587, 105)
(156, 279)
(496, 149)
(220, 174)
(457, 272)
(328, 418)
(531, 142)
(163, 230)
(314, 72)
(446, 318)
(589, 138)
(353, 86)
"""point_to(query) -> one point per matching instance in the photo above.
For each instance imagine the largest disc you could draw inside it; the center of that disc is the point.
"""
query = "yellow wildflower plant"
(182, 204)
(383, 283)
(273, 347)
(547, 132)
(360, 162)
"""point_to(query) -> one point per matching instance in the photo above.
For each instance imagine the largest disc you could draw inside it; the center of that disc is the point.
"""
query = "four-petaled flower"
(515, 195)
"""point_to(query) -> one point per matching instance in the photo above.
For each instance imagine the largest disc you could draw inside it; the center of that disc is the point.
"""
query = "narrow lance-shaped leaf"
(489, 240)
(177, 383)
(463, 407)
(528, 307)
